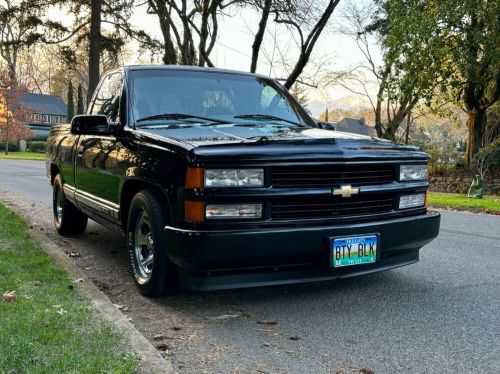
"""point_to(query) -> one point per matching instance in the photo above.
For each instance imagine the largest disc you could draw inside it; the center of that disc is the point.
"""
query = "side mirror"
(92, 125)
(325, 125)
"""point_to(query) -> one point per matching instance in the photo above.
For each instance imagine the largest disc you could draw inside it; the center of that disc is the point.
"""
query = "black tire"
(154, 274)
(67, 219)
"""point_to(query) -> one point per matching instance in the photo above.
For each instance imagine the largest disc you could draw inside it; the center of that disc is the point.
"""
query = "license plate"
(355, 250)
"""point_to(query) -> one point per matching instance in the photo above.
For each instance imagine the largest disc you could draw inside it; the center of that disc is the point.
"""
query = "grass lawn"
(488, 204)
(23, 156)
(49, 328)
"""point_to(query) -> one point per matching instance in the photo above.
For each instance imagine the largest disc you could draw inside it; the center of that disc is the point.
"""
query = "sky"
(233, 50)
(333, 51)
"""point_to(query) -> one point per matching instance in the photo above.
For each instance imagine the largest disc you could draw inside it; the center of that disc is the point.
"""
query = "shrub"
(487, 159)
(36, 146)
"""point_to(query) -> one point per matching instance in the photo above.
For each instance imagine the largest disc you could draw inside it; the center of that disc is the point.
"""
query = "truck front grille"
(330, 207)
(331, 175)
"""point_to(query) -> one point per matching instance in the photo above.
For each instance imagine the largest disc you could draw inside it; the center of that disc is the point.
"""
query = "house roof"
(44, 104)
(355, 126)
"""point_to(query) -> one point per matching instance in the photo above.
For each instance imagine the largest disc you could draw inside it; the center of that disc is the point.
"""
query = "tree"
(310, 18)
(71, 102)
(24, 24)
(300, 94)
(90, 16)
(487, 158)
(463, 39)
(406, 75)
(13, 114)
(80, 106)
(189, 29)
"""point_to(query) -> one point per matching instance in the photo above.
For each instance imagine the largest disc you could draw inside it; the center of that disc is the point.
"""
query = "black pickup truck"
(220, 179)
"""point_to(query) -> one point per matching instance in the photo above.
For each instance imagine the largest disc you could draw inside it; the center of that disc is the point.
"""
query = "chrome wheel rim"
(144, 246)
(59, 205)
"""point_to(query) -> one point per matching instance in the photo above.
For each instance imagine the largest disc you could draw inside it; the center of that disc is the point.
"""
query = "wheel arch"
(54, 170)
(130, 188)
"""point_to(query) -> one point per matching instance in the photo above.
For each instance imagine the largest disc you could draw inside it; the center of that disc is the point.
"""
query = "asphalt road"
(441, 315)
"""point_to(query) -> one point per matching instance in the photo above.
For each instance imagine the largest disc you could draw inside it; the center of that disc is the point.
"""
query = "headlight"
(221, 211)
(412, 172)
(412, 201)
(234, 178)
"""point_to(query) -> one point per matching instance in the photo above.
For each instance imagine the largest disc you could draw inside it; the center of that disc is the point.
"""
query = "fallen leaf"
(224, 316)
(176, 328)
(269, 323)
(266, 345)
(366, 371)
(244, 313)
(126, 309)
(295, 337)
(79, 280)
(61, 312)
(119, 306)
(159, 337)
(9, 296)
(163, 347)
(74, 254)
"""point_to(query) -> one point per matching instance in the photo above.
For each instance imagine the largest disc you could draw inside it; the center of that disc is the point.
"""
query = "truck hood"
(276, 142)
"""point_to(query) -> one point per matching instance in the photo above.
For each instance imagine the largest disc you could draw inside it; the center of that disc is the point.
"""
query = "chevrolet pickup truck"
(220, 179)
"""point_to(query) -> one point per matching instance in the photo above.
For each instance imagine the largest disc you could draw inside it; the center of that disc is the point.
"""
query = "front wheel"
(68, 220)
(154, 273)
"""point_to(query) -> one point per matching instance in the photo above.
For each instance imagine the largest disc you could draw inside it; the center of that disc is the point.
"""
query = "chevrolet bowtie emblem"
(345, 191)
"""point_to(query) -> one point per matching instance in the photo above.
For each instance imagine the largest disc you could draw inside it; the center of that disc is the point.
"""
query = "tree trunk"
(259, 36)
(408, 125)
(94, 47)
(7, 135)
(476, 123)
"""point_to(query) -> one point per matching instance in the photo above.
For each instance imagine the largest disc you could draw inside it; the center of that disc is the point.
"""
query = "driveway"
(441, 315)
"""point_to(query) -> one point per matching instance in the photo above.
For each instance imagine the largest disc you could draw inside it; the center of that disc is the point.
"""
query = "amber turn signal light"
(195, 178)
(194, 211)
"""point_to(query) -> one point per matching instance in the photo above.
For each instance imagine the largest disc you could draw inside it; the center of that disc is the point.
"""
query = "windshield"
(234, 98)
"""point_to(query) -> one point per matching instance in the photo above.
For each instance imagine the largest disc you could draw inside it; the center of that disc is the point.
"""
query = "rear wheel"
(67, 219)
(154, 273)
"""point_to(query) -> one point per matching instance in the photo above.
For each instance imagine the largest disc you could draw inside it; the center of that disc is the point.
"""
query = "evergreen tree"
(71, 102)
(80, 107)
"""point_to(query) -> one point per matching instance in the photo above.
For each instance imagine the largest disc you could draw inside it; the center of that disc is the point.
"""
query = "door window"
(107, 100)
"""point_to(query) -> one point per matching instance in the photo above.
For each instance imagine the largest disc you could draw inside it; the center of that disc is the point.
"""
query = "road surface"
(441, 315)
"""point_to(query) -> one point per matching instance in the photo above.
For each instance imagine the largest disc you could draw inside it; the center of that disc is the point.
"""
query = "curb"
(150, 360)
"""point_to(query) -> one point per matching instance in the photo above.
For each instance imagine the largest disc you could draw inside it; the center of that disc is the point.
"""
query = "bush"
(442, 159)
(487, 159)
(36, 146)
(13, 147)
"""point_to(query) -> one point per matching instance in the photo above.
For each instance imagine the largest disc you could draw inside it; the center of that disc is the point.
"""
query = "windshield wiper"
(269, 117)
(180, 116)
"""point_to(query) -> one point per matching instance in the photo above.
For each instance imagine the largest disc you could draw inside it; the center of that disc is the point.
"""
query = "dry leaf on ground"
(268, 323)
(224, 316)
(9, 296)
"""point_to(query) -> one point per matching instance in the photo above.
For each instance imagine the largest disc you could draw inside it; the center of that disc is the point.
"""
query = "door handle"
(80, 151)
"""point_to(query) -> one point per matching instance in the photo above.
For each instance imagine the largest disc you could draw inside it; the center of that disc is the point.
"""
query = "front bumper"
(253, 257)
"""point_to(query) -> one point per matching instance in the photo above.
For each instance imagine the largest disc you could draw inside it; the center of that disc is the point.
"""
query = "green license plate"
(355, 250)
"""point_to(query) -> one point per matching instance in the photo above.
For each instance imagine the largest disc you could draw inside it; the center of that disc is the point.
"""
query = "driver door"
(97, 173)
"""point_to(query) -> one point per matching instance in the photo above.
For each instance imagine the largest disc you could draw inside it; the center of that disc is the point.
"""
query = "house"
(47, 110)
(355, 126)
